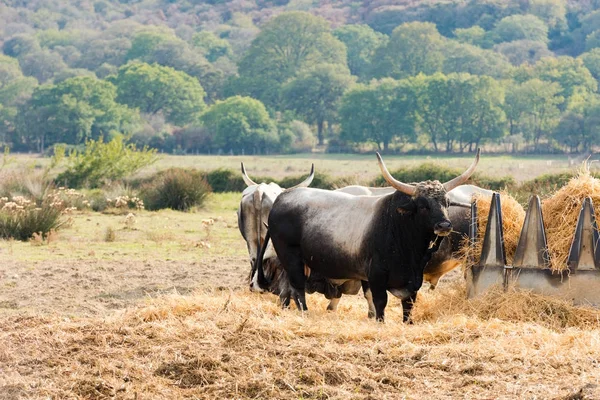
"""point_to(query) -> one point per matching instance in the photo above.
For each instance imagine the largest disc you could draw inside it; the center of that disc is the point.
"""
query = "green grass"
(363, 168)
(164, 235)
(359, 168)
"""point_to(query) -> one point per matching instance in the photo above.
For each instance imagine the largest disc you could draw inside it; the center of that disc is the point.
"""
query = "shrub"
(423, 172)
(21, 218)
(101, 163)
(496, 184)
(110, 235)
(126, 203)
(225, 180)
(97, 200)
(176, 188)
(431, 171)
(321, 181)
(543, 185)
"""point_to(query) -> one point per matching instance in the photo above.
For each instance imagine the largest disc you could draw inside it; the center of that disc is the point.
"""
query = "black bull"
(384, 240)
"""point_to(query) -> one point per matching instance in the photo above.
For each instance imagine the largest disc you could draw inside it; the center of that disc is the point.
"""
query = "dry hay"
(513, 216)
(241, 345)
(561, 211)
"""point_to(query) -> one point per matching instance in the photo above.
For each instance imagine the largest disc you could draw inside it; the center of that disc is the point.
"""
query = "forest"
(279, 76)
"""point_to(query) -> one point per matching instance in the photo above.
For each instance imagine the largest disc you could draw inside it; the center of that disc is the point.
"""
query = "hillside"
(307, 74)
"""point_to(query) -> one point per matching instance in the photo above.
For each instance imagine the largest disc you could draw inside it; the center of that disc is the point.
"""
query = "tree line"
(297, 82)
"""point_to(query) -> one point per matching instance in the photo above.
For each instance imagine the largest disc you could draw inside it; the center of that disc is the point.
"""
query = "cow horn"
(307, 181)
(396, 184)
(247, 180)
(462, 178)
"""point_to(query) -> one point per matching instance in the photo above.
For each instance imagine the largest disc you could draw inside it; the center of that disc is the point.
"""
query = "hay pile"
(561, 211)
(241, 345)
(513, 216)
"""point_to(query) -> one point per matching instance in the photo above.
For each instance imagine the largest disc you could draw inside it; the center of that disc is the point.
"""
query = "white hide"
(254, 220)
(464, 193)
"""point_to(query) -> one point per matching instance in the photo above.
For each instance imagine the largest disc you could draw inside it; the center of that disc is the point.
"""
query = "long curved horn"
(396, 184)
(307, 181)
(247, 180)
(462, 178)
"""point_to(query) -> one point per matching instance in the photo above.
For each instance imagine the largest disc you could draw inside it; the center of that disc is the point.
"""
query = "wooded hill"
(265, 76)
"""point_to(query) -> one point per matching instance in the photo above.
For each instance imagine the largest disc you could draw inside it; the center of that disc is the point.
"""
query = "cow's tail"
(262, 280)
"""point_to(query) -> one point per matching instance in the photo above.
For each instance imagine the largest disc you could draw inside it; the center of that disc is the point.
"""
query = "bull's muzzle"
(443, 228)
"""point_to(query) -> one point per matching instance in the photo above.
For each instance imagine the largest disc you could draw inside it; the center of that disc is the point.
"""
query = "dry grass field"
(158, 308)
(362, 168)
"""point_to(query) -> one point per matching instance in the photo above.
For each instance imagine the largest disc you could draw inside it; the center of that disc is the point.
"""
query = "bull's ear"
(410, 207)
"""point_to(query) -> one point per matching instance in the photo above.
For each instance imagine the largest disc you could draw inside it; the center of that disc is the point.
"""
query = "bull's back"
(328, 228)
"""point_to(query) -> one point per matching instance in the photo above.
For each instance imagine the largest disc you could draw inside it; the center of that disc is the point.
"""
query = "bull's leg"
(333, 303)
(378, 279)
(298, 282)
(407, 305)
(284, 298)
(299, 299)
(369, 297)
(380, 298)
(291, 260)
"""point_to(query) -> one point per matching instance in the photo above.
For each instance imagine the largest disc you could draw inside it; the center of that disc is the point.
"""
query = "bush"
(20, 218)
(225, 180)
(321, 181)
(543, 186)
(101, 163)
(431, 171)
(97, 200)
(496, 184)
(423, 172)
(176, 188)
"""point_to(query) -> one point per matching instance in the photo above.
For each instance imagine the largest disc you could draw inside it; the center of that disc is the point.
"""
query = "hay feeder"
(578, 282)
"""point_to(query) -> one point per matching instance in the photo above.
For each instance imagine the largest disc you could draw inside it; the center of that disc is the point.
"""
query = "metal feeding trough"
(579, 282)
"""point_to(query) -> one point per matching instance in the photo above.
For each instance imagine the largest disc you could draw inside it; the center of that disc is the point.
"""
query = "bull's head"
(253, 212)
(428, 201)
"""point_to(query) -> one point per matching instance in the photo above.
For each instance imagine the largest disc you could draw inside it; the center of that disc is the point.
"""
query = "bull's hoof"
(371, 314)
(431, 286)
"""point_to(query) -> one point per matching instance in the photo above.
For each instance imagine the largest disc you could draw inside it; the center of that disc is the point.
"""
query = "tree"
(42, 65)
(161, 46)
(579, 126)
(73, 111)
(15, 89)
(474, 35)
(413, 48)
(591, 60)
(240, 124)
(592, 41)
(520, 27)
(380, 113)
(315, 94)
(157, 89)
(286, 45)
(532, 109)
(570, 73)
(361, 42)
(459, 57)
(552, 12)
(523, 51)
(20, 45)
(212, 47)
(461, 109)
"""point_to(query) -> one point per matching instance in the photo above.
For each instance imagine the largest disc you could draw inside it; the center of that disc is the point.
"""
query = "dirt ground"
(162, 311)
(96, 287)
